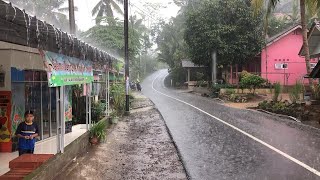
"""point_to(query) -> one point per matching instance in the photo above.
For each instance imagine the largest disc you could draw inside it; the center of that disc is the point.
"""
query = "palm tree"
(270, 5)
(105, 8)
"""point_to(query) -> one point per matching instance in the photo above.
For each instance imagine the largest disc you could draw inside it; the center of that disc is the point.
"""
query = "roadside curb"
(286, 119)
(280, 115)
(183, 162)
(219, 99)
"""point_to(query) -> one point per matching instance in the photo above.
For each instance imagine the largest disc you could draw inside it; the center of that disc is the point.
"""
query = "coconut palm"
(104, 8)
(313, 7)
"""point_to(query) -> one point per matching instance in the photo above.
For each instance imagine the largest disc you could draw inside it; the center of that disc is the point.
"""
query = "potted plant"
(114, 117)
(98, 132)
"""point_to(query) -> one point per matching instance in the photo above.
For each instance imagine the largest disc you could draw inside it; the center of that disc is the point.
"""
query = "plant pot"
(115, 120)
(94, 140)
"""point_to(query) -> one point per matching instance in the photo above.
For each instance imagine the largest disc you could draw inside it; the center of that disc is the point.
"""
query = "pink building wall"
(284, 51)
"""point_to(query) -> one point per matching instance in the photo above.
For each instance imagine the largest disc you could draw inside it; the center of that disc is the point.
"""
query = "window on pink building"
(281, 66)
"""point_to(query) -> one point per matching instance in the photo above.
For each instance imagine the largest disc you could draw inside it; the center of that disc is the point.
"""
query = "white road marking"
(307, 167)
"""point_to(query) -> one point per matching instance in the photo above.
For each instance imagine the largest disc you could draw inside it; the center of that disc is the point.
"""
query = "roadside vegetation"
(206, 26)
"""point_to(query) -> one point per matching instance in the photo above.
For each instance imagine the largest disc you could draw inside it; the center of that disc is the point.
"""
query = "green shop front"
(40, 81)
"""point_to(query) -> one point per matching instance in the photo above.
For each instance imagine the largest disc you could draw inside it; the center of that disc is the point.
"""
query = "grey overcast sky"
(85, 21)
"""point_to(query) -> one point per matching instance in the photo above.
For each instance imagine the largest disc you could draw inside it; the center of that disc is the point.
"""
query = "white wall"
(5, 62)
(20, 57)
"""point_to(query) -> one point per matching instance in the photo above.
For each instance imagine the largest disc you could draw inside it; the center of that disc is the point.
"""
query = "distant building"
(279, 61)
(191, 69)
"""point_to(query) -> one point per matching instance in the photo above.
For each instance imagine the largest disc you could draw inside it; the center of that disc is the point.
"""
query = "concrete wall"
(5, 62)
(258, 91)
(26, 60)
(20, 57)
(59, 162)
(285, 50)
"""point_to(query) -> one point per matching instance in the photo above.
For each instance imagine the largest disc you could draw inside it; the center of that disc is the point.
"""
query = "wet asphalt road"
(211, 149)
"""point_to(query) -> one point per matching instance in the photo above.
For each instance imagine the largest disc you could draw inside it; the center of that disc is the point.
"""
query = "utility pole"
(72, 22)
(214, 68)
(126, 52)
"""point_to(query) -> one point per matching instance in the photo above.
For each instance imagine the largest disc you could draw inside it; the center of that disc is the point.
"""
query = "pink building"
(280, 60)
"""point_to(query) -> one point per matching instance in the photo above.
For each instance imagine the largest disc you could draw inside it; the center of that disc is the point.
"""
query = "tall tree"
(228, 27)
(104, 8)
(170, 41)
(110, 37)
(311, 5)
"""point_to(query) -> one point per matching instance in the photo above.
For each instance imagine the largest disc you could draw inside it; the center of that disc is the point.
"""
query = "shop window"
(30, 91)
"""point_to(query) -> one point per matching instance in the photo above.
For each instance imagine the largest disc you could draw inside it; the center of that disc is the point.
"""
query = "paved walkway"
(138, 147)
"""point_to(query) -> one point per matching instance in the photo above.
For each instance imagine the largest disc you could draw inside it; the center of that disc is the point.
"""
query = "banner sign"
(64, 70)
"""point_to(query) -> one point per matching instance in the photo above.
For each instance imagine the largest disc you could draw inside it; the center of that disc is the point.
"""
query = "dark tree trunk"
(305, 38)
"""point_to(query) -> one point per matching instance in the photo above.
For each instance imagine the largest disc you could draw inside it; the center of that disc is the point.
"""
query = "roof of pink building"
(282, 34)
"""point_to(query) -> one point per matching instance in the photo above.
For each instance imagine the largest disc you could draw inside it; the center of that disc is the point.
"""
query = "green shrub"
(97, 111)
(244, 74)
(277, 91)
(233, 97)
(295, 92)
(316, 92)
(278, 107)
(251, 81)
(98, 130)
(230, 91)
(118, 96)
(177, 75)
(201, 83)
(199, 76)
(215, 89)
(264, 105)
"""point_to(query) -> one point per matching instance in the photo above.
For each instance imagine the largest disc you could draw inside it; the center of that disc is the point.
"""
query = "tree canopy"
(227, 27)
(104, 10)
(170, 41)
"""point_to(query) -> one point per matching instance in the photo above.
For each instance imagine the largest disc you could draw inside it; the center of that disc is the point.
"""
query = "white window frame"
(280, 65)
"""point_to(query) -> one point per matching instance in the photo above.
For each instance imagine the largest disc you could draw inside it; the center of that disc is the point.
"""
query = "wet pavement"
(138, 147)
(219, 142)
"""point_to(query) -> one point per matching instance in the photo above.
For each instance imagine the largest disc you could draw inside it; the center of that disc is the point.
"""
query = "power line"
(145, 13)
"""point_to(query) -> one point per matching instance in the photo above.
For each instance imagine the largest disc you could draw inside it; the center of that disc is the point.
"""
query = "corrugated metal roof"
(278, 36)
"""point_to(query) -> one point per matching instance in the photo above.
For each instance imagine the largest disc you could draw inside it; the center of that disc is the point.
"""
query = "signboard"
(64, 70)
